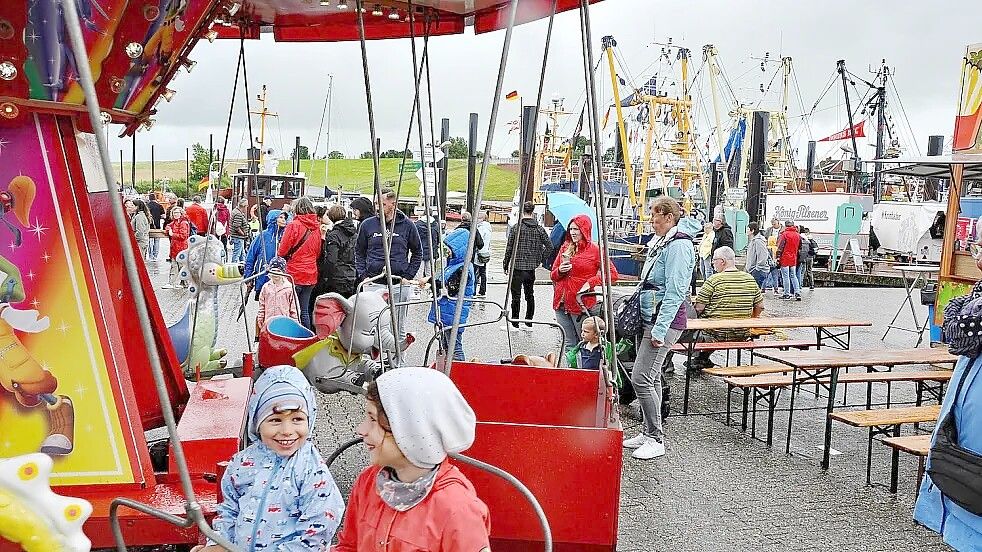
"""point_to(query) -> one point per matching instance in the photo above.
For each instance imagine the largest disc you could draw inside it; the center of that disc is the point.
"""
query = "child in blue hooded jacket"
(278, 494)
(456, 243)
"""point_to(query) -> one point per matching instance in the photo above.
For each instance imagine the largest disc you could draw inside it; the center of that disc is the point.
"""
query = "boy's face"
(589, 334)
(284, 433)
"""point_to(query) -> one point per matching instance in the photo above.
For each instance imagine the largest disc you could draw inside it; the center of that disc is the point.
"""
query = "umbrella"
(565, 206)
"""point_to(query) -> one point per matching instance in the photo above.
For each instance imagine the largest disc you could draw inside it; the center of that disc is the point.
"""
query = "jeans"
(789, 275)
(772, 279)
(647, 378)
(402, 293)
(523, 282)
(238, 250)
(458, 349)
(154, 249)
(481, 279)
(805, 273)
(303, 295)
(570, 323)
(760, 276)
(707, 267)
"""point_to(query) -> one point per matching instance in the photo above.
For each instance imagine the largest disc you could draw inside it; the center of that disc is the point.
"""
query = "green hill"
(351, 174)
(357, 175)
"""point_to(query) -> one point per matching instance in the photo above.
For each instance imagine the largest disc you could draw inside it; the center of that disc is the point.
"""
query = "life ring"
(35, 517)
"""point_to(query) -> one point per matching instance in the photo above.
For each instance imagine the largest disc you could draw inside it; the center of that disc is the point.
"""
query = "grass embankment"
(351, 174)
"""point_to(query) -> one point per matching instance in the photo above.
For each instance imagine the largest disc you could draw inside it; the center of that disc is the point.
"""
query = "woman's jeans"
(303, 295)
(761, 277)
(789, 275)
(647, 378)
(570, 323)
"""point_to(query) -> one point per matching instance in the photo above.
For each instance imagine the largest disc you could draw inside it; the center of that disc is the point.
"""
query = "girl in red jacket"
(300, 246)
(576, 270)
(178, 230)
(411, 498)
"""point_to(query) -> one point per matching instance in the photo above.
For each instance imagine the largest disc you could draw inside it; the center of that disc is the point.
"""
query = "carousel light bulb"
(188, 64)
(234, 8)
(106, 118)
(342, 4)
(9, 110)
(134, 50)
(325, 3)
(377, 11)
(8, 71)
(168, 94)
(394, 15)
(211, 35)
(148, 124)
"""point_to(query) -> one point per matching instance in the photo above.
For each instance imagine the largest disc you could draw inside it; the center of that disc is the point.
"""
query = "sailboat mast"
(709, 53)
(608, 43)
(881, 125)
(327, 158)
(851, 188)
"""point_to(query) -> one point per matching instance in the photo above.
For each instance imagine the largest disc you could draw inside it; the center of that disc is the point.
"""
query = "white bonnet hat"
(428, 415)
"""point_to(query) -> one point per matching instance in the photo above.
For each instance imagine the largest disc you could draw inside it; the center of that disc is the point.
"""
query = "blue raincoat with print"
(274, 503)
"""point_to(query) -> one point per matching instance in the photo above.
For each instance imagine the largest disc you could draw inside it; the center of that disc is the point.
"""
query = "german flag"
(513, 95)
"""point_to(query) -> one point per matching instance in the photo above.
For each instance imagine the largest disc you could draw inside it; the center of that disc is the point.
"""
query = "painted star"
(35, 303)
(31, 275)
(45, 256)
(38, 229)
(80, 390)
(63, 328)
(33, 36)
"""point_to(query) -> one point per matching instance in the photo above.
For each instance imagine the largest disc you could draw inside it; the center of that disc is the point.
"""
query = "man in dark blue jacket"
(406, 253)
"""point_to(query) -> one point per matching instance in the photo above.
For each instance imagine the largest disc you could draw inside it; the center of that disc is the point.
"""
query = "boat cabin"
(280, 188)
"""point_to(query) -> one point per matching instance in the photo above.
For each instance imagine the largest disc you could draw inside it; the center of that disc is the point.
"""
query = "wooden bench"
(885, 422)
(918, 445)
(766, 381)
(749, 370)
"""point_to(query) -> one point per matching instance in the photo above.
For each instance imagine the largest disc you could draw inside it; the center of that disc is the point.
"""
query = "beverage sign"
(802, 213)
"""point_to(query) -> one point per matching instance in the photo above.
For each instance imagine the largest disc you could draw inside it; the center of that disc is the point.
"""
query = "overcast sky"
(922, 41)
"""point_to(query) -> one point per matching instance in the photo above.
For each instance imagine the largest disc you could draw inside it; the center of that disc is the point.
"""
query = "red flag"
(845, 135)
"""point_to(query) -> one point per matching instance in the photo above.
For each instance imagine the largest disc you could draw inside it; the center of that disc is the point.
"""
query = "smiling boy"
(278, 493)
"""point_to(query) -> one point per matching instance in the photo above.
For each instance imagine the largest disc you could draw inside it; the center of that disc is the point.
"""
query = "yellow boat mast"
(263, 113)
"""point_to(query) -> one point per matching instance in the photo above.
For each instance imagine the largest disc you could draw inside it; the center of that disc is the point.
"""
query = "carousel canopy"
(135, 48)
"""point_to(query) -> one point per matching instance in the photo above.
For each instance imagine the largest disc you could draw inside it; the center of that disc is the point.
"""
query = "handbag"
(954, 469)
(627, 320)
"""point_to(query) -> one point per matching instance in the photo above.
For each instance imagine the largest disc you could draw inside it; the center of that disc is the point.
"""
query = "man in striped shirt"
(728, 293)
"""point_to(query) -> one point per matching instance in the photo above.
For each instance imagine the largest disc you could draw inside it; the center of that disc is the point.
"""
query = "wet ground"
(716, 488)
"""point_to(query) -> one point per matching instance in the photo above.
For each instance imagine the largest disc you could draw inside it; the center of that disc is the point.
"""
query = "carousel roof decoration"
(136, 47)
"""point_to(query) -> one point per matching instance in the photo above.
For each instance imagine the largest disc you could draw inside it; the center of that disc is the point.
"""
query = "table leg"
(794, 387)
(908, 286)
(689, 352)
(771, 406)
(894, 462)
(833, 381)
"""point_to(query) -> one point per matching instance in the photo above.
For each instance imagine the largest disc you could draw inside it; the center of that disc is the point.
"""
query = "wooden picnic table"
(820, 324)
(815, 363)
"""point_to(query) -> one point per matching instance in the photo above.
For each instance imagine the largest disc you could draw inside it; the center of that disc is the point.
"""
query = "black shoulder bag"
(954, 469)
(296, 246)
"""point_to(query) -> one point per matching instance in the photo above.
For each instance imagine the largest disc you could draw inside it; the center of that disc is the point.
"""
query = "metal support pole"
(152, 173)
(472, 163)
(192, 507)
(444, 164)
(854, 176)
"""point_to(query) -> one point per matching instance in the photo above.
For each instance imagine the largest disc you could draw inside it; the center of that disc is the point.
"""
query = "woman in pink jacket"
(411, 499)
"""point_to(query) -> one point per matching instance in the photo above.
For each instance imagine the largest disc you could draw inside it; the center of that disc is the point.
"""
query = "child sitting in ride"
(277, 297)
(412, 498)
(587, 353)
(278, 493)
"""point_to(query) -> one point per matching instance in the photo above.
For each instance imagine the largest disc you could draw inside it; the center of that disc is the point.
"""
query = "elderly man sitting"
(728, 293)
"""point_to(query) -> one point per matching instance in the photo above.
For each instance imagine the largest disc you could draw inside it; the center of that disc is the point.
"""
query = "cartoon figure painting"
(46, 42)
(30, 383)
(968, 138)
(17, 199)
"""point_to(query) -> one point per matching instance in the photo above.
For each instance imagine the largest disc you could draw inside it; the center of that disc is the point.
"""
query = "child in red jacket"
(178, 230)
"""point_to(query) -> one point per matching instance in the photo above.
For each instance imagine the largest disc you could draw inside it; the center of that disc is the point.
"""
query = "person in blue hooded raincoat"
(456, 243)
(278, 493)
(263, 249)
(960, 528)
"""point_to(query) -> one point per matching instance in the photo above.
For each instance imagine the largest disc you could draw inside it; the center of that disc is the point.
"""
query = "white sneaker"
(634, 442)
(650, 449)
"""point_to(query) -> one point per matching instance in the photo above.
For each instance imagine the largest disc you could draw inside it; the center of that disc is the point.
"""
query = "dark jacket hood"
(271, 217)
(346, 226)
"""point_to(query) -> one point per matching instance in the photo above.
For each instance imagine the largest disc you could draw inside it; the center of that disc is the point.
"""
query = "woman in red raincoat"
(411, 498)
(577, 269)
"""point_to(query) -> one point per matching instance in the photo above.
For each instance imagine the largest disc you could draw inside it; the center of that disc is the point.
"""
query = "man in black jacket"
(532, 248)
(724, 234)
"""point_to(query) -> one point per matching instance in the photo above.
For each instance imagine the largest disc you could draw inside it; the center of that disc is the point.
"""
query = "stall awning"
(935, 166)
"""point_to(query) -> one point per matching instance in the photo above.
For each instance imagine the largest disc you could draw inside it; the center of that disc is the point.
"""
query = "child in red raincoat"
(178, 230)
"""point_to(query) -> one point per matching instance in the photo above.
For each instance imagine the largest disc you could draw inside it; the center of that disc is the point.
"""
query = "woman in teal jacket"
(666, 275)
